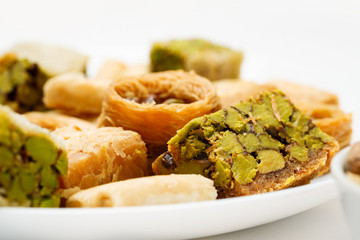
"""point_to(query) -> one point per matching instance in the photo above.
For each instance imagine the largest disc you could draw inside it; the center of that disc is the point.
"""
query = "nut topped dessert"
(255, 146)
(27, 67)
(205, 58)
(21, 84)
(31, 162)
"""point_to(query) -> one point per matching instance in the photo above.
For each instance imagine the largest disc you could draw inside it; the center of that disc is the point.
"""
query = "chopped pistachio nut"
(21, 84)
(30, 163)
(254, 137)
(207, 59)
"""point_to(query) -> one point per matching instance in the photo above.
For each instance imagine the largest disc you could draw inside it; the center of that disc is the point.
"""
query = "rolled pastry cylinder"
(156, 105)
(102, 155)
(31, 162)
(75, 94)
(152, 190)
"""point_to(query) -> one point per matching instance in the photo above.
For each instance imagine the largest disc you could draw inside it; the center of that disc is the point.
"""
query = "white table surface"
(314, 42)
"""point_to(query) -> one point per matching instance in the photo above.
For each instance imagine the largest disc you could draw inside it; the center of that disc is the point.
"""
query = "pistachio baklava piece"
(27, 67)
(256, 146)
(31, 162)
(205, 58)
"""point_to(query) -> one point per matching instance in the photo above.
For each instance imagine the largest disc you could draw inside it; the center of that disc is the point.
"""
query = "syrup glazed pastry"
(231, 91)
(54, 60)
(205, 58)
(31, 161)
(333, 121)
(153, 190)
(256, 146)
(52, 120)
(102, 155)
(21, 84)
(113, 70)
(156, 105)
(24, 71)
(303, 95)
(75, 94)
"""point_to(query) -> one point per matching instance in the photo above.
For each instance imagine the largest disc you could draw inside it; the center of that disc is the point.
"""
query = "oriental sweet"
(205, 58)
(31, 162)
(256, 146)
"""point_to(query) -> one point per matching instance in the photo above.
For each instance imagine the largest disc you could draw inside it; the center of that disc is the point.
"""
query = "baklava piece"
(75, 94)
(205, 58)
(256, 146)
(31, 162)
(25, 70)
(103, 155)
(156, 105)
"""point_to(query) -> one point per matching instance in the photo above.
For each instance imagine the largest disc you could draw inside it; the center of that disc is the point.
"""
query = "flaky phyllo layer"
(255, 146)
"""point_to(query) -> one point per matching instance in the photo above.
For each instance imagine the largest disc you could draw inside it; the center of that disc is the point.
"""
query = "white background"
(311, 41)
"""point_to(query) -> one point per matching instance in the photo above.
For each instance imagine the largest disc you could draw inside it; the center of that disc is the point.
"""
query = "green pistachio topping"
(30, 163)
(21, 84)
(41, 149)
(238, 143)
(206, 58)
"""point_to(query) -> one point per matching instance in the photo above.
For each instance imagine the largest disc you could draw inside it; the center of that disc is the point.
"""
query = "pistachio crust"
(205, 58)
(21, 84)
(30, 164)
(258, 145)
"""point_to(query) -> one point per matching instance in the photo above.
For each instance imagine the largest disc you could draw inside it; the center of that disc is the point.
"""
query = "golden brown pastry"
(74, 93)
(102, 155)
(303, 95)
(113, 70)
(153, 190)
(53, 120)
(156, 105)
(232, 91)
(333, 121)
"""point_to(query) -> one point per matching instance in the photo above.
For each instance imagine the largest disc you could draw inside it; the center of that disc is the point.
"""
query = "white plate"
(178, 221)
